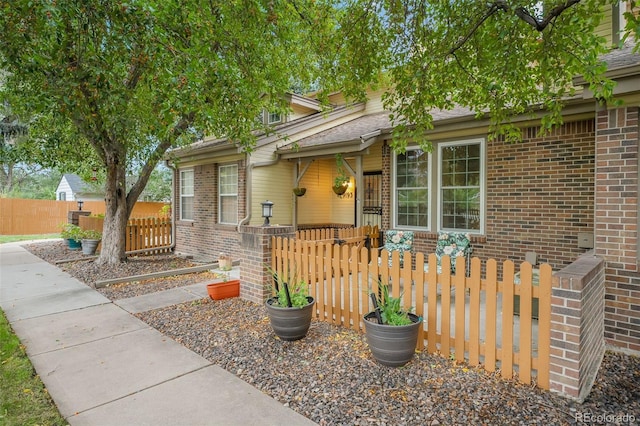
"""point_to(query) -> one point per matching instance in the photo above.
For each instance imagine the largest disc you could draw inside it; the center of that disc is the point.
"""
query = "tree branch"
(520, 12)
(158, 152)
(495, 8)
(541, 24)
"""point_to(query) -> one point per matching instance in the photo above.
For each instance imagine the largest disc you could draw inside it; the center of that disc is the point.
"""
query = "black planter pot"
(392, 345)
(290, 323)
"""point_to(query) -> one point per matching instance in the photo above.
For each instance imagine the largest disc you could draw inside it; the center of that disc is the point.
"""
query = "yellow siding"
(373, 161)
(314, 206)
(605, 28)
(320, 204)
(273, 183)
(299, 112)
(374, 102)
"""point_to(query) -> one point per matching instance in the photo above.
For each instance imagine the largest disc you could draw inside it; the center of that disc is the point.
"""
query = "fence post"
(255, 281)
(577, 327)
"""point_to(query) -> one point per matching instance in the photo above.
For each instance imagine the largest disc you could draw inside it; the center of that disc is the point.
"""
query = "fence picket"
(474, 313)
(491, 310)
(418, 280)
(507, 320)
(432, 307)
(544, 326)
(524, 353)
(460, 311)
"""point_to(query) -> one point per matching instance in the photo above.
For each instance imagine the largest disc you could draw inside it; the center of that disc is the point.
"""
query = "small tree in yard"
(108, 84)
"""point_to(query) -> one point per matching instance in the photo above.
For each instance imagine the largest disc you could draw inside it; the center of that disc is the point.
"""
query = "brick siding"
(616, 223)
(204, 238)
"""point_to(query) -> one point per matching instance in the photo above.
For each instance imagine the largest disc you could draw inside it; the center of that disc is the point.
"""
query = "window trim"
(395, 191)
(182, 195)
(269, 121)
(482, 184)
(220, 194)
(434, 187)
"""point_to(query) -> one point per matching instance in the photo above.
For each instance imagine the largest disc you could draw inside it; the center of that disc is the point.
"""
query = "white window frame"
(222, 167)
(187, 193)
(482, 184)
(429, 188)
(274, 121)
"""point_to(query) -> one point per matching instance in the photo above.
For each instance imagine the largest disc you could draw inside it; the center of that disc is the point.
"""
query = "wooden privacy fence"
(25, 217)
(141, 234)
(470, 318)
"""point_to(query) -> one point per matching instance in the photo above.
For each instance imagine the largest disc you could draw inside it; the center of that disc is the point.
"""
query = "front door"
(372, 197)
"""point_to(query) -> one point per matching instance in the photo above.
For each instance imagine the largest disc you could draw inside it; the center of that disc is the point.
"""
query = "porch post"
(359, 191)
(255, 242)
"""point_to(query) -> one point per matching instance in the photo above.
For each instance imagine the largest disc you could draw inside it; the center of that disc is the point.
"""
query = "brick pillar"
(616, 222)
(255, 281)
(577, 327)
(73, 216)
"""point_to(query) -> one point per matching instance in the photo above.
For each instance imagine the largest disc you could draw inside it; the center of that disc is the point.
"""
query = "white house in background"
(72, 188)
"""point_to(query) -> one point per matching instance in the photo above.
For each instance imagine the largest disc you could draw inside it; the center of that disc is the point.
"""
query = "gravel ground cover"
(331, 378)
(89, 272)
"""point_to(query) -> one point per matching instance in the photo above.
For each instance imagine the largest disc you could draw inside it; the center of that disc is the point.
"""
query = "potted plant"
(391, 330)
(299, 191)
(341, 182)
(225, 289)
(90, 240)
(72, 234)
(291, 308)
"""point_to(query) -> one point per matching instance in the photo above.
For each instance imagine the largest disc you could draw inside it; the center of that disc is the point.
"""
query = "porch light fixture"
(267, 211)
(80, 203)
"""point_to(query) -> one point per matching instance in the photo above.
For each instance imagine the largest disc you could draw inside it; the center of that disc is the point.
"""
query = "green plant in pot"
(341, 181)
(90, 241)
(72, 234)
(290, 308)
(392, 330)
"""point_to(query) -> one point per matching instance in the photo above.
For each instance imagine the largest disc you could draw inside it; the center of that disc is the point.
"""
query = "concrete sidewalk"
(103, 366)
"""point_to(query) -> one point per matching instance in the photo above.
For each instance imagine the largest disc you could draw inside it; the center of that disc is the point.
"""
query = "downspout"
(248, 179)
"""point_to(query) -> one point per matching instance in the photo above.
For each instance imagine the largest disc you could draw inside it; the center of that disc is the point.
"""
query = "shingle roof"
(358, 128)
(76, 183)
(623, 57)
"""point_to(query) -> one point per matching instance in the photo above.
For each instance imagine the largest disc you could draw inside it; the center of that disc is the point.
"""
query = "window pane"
(228, 209)
(228, 194)
(186, 194)
(460, 191)
(187, 208)
(274, 117)
(412, 181)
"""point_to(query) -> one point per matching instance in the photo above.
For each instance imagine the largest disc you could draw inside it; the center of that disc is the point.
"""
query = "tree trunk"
(116, 213)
